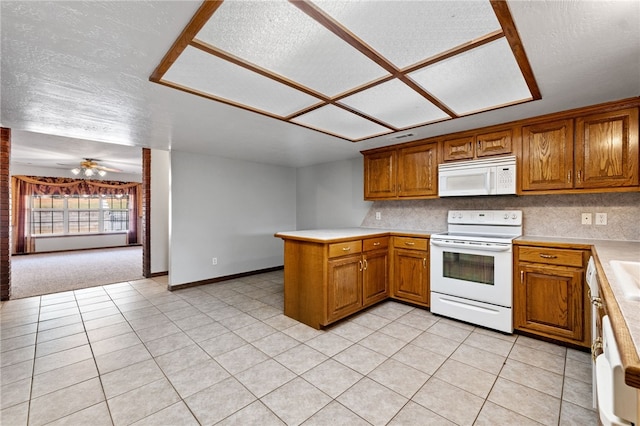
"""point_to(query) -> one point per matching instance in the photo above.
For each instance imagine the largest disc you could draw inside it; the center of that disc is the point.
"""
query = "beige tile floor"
(135, 353)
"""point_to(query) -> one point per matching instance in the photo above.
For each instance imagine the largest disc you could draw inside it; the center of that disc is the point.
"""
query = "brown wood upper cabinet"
(478, 145)
(409, 172)
(547, 155)
(601, 153)
(607, 149)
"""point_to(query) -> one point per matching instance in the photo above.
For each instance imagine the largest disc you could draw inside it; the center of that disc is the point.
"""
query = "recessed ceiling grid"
(353, 69)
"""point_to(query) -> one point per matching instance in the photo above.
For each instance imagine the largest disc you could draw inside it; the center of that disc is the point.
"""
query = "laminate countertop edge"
(623, 313)
(337, 235)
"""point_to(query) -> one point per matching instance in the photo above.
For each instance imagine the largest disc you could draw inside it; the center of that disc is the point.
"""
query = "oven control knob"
(514, 216)
(506, 215)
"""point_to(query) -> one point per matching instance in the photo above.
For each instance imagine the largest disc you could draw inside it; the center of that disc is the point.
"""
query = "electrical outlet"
(601, 218)
(378, 215)
(586, 218)
(214, 261)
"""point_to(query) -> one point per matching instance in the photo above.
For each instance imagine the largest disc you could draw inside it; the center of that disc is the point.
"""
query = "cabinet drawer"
(343, 249)
(552, 256)
(375, 243)
(410, 243)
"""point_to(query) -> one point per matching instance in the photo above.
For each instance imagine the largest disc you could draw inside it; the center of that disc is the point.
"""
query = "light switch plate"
(601, 218)
(586, 218)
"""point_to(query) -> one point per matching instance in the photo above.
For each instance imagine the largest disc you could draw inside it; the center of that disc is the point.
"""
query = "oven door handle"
(496, 247)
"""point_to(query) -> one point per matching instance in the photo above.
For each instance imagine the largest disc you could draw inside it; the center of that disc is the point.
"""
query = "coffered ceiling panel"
(407, 32)
(208, 74)
(332, 119)
(353, 69)
(282, 39)
(477, 80)
(395, 103)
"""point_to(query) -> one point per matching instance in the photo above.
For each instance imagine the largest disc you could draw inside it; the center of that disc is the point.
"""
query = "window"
(79, 214)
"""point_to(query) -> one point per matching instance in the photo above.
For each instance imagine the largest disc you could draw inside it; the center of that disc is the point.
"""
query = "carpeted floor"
(37, 274)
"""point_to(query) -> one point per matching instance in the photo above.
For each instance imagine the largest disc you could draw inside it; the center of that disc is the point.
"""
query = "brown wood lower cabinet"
(411, 270)
(550, 296)
(325, 282)
(344, 287)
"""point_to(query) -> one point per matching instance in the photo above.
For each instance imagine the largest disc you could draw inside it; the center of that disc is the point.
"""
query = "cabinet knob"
(568, 176)
(579, 176)
(597, 302)
(365, 265)
(596, 348)
(424, 262)
(360, 263)
(521, 277)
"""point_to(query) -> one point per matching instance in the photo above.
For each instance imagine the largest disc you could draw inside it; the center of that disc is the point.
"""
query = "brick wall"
(5, 207)
(146, 212)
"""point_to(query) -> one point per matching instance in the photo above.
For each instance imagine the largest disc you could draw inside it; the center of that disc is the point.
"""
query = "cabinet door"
(375, 284)
(458, 149)
(549, 300)
(411, 275)
(380, 175)
(418, 170)
(547, 156)
(494, 143)
(607, 149)
(344, 287)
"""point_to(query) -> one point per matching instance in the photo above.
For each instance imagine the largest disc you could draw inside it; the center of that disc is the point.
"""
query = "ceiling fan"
(90, 167)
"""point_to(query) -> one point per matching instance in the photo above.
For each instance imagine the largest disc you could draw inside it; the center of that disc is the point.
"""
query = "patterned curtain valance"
(69, 186)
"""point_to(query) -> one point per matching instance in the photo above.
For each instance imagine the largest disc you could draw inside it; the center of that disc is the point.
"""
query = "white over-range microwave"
(496, 176)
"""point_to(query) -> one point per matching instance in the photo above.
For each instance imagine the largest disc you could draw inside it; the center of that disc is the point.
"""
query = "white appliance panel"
(472, 311)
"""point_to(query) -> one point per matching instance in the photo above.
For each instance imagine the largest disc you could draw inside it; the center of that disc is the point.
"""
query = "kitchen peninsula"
(332, 273)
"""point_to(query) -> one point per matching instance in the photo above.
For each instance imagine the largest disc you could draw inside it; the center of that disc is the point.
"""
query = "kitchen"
(330, 194)
(548, 303)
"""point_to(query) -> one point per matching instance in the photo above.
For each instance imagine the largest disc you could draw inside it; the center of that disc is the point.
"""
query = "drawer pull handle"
(360, 263)
(521, 277)
(548, 256)
(377, 243)
(346, 248)
(424, 262)
(365, 264)
(409, 243)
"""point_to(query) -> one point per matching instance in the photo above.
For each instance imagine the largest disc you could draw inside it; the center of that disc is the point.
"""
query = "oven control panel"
(485, 217)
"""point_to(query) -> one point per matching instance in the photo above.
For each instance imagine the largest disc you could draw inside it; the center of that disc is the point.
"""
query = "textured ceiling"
(80, 70)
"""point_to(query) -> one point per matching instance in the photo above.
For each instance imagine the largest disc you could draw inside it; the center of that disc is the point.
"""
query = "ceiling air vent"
(402, 136)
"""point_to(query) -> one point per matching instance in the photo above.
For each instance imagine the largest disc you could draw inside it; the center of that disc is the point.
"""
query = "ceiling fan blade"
(108, 169)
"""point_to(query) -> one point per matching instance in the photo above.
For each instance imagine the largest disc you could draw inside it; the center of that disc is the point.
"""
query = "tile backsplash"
(544, 215)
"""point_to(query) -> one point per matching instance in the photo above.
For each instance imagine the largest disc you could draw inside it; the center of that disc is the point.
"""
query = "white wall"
(227, 209)
(76, 242)
(331, 195)
(160, 190)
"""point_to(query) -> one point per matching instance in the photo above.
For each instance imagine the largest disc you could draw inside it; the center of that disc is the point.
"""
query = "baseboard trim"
(224, 278)
(158, 274)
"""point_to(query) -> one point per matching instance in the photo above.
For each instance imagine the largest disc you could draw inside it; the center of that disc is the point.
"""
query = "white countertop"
(327, 235)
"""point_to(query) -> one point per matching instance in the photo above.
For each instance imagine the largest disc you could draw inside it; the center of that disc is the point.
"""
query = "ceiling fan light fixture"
(102, 172)
(76, 171)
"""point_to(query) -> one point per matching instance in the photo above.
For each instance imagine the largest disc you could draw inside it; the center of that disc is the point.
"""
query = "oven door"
(481, 272)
